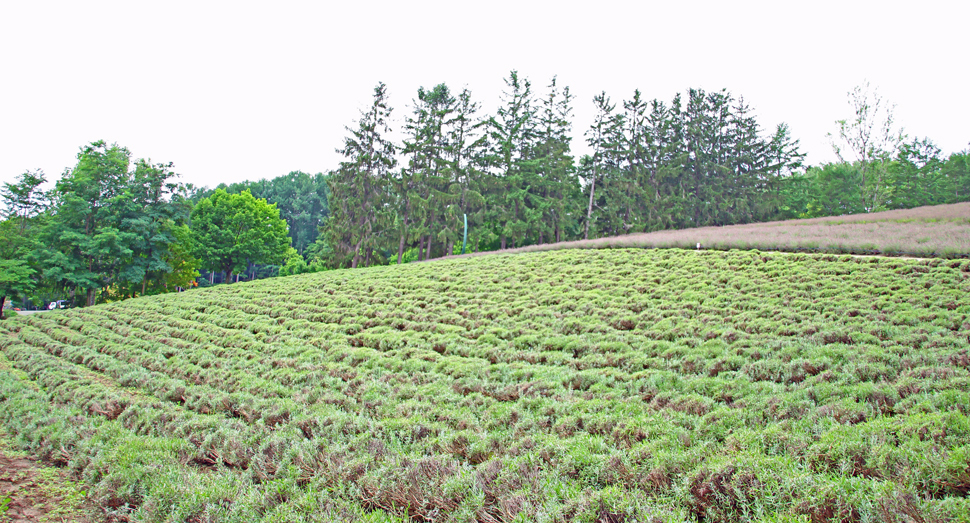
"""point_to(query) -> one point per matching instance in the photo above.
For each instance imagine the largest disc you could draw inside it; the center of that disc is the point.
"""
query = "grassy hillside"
(937, 231)
(578, 385)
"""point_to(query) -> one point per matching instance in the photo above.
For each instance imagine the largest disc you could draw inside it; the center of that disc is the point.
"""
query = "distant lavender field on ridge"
(932, 231)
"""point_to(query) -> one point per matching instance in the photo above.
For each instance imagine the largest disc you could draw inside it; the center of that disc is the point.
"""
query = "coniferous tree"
(512, 133)
(659, 149)
(557, 187)
(603, 137)
(705, 126)
(467, 147)
(359, 188)
(422, 189)
(634, 183)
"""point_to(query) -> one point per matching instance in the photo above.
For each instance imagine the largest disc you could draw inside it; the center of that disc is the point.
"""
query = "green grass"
(579, 385)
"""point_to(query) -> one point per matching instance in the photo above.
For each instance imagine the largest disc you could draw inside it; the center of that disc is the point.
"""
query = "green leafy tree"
(184, 266)
(230, 231)
(149, 212)
(24, 199)
(112, 225)
(16, 274)
(836, 190)
(15, 280)
(23, 202)
(301, 198)
(869, 138)
(293, 263)
(84, 246)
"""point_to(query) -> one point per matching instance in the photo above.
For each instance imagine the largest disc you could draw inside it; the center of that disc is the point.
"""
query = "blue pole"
(465, 240)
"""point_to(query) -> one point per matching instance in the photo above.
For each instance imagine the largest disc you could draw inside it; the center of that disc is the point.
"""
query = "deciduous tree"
(870, 138)
(232, 230)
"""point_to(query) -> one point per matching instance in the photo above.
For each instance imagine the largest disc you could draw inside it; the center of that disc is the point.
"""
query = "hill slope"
(935, 231)
(618, 385)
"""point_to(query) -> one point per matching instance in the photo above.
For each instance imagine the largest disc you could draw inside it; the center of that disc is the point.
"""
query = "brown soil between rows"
(28, 490)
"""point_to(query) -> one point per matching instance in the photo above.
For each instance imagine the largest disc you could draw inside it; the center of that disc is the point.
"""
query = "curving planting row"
(614, 385)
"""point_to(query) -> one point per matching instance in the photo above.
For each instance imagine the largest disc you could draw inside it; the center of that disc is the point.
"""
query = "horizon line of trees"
(701, 159)
(114, 227)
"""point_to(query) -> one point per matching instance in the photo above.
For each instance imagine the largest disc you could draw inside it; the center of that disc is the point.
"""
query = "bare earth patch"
(30, 492)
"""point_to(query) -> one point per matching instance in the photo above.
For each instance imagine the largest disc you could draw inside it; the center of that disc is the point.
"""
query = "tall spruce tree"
(556, 184)
(467, 146)
(512, 131)
(604, 138)
(424, 198)
(634, 184)
(703, 163)
(660, 149)
(359, 188)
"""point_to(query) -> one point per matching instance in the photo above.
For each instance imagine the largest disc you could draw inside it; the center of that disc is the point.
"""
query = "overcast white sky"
(244, 90)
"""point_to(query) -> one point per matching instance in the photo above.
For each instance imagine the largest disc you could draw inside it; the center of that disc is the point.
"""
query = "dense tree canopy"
(300, 197)
(16, 273)
(701, 159)
(111, 224)
(230, 231)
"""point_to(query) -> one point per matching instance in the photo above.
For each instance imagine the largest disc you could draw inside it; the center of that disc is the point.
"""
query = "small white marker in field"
(698, 246)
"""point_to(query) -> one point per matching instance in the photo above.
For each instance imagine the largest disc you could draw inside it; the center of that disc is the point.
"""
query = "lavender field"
(938, 231)
(621, 385)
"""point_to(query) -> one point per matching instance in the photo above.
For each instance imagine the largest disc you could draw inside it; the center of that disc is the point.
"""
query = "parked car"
(59, 304)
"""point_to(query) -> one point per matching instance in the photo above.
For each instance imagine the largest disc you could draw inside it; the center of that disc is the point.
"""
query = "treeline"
(300, 197)
(917, 174)
(113, 227)
(700, 160)
(511, 174)
(697, 161)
